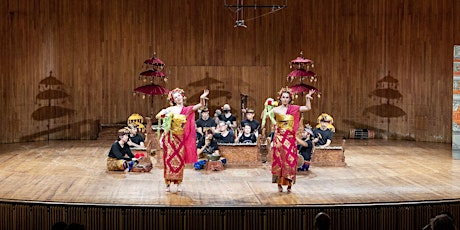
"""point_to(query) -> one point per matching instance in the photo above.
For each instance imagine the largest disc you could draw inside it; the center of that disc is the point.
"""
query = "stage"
(377, 171)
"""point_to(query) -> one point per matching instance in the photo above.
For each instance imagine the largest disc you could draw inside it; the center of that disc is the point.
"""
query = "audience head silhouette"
(443, 221)
(322, 221)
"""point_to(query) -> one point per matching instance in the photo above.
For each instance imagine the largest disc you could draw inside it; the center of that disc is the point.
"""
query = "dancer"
(179, 137)
(284, 150)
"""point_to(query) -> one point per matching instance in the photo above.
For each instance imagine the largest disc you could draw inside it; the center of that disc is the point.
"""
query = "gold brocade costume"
(284, 165)
(173, 156)
(177, 124)
(284, 121)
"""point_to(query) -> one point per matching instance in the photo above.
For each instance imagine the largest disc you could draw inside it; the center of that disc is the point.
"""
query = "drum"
(300, 161)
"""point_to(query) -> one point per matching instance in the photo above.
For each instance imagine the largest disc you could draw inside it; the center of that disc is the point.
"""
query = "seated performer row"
(222, 132)
(205, 122)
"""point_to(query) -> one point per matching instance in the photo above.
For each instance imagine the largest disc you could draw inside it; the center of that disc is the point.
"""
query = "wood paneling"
(96, 49)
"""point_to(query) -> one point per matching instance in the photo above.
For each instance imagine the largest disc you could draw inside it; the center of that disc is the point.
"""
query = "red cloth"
(294, 110)
(190, 152)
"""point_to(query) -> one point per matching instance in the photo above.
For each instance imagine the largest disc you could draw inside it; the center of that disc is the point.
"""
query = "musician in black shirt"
(205, 122)
(207, 145)
(247, 136)
(255, 125)
(223, 134)
(120, 156)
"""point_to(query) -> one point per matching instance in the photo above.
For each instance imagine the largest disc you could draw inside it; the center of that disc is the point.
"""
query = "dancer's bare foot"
(289, 189)
(280, 188)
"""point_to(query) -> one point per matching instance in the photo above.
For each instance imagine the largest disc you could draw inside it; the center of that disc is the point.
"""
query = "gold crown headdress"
(326, 118)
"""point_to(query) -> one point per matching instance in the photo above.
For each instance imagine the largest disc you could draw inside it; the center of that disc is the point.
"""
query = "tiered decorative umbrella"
(155, 67)
(302, 70)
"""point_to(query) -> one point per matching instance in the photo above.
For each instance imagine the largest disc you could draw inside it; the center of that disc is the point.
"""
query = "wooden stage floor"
(377, 171)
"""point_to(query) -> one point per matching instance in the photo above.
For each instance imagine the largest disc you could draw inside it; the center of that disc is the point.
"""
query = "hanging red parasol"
(152, 89)
(154, 61)
(157, 64)
(301, 60)
(153, 73)
(300, 88)
(302, 68)
(302, 74)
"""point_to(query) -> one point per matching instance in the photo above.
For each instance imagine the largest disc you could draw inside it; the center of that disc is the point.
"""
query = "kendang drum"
(300, 161)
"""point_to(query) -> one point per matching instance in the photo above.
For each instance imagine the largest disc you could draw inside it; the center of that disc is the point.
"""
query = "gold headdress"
(135, 118)
(324, 117)
(285, 90)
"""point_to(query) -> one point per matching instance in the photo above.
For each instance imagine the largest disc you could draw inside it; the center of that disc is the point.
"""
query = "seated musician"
(198, 136)
(228, 117)
(305, 147)
(207, 145)
(223, 134)
(247, 136)
(205, 122)
(120, 157)
(254, 124)
(136, 140)
(323, 132)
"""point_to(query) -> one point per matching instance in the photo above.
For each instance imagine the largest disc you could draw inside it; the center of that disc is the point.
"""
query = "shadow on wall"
(51, 100)
(217, 94)
(387, 95)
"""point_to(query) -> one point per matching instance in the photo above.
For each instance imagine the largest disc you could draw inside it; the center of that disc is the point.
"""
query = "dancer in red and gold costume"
(284, 150)
(179, 137)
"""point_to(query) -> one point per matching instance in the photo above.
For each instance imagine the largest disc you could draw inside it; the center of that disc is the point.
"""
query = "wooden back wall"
(68, 66)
